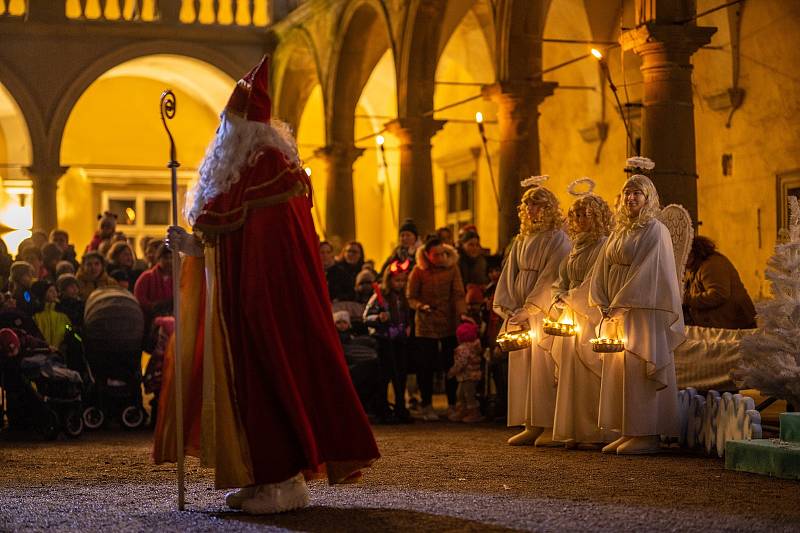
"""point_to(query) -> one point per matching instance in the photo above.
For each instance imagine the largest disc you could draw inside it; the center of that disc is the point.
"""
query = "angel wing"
(679, 224)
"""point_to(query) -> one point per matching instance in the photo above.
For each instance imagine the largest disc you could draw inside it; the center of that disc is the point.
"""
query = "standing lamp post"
(482, 131)
(168, 107)
(604, 66)
(379, 140)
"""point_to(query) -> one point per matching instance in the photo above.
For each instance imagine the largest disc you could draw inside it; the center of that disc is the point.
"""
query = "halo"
(534, 181)
(640, 162)
(573, 187)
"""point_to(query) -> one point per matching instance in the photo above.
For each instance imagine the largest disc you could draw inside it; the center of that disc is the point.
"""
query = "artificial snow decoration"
(534, 181)
(771, 356)
(640, 162)
(584, 181)
(711, 421)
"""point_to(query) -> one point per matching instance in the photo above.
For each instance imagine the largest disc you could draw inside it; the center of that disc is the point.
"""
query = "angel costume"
(579, 368)
(635, 280)
(526, 281)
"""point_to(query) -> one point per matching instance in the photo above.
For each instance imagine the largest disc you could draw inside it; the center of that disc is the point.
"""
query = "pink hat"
(467, 332)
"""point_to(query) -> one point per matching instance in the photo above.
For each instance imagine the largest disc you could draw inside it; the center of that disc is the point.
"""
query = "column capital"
(685, 38)
(414, 130)
(514, 92)
(45, 173)
(339, 152)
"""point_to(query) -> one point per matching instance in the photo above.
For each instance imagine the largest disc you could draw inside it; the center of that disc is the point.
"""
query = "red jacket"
(153, 286)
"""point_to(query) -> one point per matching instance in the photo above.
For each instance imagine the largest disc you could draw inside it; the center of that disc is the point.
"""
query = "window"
(460, 202)
(139, 214)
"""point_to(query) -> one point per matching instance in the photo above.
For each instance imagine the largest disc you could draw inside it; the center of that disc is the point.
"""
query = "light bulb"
(597, 53)
(380, 140)
(479, 117)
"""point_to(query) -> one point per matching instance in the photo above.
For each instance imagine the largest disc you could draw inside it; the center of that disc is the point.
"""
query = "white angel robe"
(578, 367)
(635, 278)
(526, 280)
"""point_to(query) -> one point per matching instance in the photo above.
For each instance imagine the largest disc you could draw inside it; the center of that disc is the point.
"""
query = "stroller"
(113, 328)
(39, 391)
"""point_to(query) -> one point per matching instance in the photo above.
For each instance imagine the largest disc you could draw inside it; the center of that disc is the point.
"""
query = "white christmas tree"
(771, 356)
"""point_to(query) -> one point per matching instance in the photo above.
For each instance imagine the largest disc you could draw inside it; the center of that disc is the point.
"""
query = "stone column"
(517, 117)
(416, 172)
(45, 184)
(668, 114)
(340, 212)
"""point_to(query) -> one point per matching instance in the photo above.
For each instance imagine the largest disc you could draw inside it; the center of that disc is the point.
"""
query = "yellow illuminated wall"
(116, 124)
(311, 137)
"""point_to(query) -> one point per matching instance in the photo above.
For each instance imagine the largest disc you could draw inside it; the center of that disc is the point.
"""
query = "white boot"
(640, 445)
(612, 447)
(278, 497)
(235, 499)
(546, 439)
(526, 437)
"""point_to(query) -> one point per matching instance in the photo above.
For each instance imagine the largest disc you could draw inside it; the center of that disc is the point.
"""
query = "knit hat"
(408, 225)
(344, 316)
(8, 340)
(365, 276)
(64, 281)
(467, 235)
(467, 332)
(474, 294)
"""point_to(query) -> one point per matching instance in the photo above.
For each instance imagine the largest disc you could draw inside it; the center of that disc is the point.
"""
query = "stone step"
(790, 427)
(764, 456)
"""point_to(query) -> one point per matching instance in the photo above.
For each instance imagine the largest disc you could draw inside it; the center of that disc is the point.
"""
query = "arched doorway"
(117, 150)
(16, 216)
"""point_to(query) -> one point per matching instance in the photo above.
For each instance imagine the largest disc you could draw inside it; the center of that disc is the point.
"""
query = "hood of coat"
(425, 264)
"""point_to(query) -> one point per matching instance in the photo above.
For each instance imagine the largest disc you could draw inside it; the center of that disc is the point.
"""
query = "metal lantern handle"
(552, 305)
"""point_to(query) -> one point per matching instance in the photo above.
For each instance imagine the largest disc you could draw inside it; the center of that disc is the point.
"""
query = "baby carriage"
(39, 391)
(113, 327)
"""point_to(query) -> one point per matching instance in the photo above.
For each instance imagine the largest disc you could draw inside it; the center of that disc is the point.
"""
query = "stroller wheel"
(93, 417)
(132, 417)
(73, 425)
(50, 425)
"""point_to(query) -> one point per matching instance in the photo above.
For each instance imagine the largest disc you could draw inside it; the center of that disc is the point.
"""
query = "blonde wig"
(550, 218)
(649, 211)
(597, 210)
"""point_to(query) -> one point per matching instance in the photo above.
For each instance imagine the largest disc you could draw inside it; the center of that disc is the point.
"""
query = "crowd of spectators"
(420, 324)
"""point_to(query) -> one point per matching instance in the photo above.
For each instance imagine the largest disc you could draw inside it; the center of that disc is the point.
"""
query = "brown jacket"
(442, 289)
(716, 297)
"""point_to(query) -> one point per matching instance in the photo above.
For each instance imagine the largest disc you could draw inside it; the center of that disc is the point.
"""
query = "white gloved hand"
(179, 240)
(519, 317)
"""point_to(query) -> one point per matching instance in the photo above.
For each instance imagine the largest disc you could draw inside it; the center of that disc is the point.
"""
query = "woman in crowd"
(154, 286)
(342, 275)
(92, 274)
(522, 297)
(635, 285)
(435, 291)
(407, 247)
(471, 259)
(120, 257)
(715, 296)
(589, 222)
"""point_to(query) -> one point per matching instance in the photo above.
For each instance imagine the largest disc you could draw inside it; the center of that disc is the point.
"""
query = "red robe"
(289, 386)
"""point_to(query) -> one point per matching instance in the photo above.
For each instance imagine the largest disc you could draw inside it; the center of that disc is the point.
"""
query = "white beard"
(236, 146)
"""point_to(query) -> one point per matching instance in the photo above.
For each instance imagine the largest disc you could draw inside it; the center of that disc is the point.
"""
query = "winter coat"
(401, 253)
(473, 269)
(342, 280)
(73, 308)
(88, 285)
(52, 324)
(396, 305)
(441, 288)
(467, 361)
(152, 287)
(716, 297)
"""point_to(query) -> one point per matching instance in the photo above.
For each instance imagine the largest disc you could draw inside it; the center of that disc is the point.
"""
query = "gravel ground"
(432, 477)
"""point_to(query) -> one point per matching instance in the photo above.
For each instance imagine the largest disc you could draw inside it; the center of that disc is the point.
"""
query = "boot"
(472, 416)
(278, 497)
(235, 499)
(640, 445)
(612, 448)
(526, 437)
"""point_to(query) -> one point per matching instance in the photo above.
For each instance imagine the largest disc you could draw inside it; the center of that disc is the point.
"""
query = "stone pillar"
(340, 212)
(517, 117)
(668, 114)
(45, 184)
(416, 172)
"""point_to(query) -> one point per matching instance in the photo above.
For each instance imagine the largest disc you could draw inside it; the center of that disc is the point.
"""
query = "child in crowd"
(389, 319)
(69, 299)
(467, 370)
(362, 362)
(19, 285)
(51, 322)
